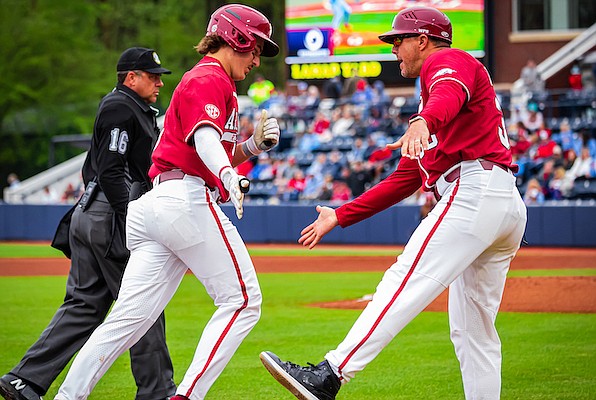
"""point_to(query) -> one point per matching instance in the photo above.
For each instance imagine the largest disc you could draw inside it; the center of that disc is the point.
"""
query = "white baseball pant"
(175, 227)
(466, 243)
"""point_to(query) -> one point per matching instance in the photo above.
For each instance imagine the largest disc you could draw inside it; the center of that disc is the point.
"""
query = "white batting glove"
(265, 138)
(231, 181)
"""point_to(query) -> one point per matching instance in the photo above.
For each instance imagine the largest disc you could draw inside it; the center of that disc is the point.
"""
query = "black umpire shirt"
(124, 134)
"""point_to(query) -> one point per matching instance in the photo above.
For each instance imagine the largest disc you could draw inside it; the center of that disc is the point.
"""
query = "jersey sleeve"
(115, 134)
(202, 103)
(403, 182)
(449, 81)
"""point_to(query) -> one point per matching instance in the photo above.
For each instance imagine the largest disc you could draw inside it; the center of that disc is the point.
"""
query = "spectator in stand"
(560, 185)
(363, 95)
(379, 120)
(567, 138)
(13, 180)
(295, 186)
(532, 82)
(320, 123)
(318, 165)
(361, 124)
(569, 159)
(575, 77)
(519, 138)
(312, 101)
(308, 142)
(532, 118)
(546, 173)
(588, 78)
(381, 153)
(545, 146)
(332, 88)
(426, 201)
(380, 96)
(334, 164)
(371, 145)
(342, 121)
(247, 127)
(583, 165)
(327, 188)
(588, 141)
(359, 178)
(312, 186)
(263, 170)
(49, 196)
(70, 195)
(357, 153)
(534, 194)
(260, 90)
(284, 172)
(341, 192)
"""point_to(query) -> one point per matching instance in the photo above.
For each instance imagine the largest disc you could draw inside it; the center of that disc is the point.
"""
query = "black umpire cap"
(142, 59)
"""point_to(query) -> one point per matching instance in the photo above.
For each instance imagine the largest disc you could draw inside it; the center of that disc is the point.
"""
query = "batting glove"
(265, 138)
(231, 181)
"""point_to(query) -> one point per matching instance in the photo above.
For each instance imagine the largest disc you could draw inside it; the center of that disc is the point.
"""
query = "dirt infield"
(527, 294)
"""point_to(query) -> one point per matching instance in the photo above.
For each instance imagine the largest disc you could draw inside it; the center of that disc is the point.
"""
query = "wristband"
(417, 118)
(249, 147)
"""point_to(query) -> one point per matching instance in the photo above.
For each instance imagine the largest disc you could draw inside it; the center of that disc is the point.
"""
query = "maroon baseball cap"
(142, 59)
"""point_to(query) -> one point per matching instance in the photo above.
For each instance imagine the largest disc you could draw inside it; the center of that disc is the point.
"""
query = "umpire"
(115, 170)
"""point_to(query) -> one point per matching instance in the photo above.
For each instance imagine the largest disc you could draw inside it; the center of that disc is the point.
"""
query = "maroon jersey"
(465, 121)
(464, 117)
(206, 96)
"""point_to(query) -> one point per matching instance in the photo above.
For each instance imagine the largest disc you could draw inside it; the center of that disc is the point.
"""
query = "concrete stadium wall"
(548, 225)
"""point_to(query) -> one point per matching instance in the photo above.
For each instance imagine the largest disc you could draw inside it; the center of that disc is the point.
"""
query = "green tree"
(59, 60)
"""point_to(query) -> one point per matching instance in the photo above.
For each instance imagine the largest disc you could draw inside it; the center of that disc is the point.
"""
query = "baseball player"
(119, 158)
(456, 146)
(178, 225)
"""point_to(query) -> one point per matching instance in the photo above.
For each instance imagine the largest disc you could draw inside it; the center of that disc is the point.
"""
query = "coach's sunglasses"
(399, 39)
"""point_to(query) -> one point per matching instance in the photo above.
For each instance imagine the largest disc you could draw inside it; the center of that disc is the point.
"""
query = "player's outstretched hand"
(231, 181)
(325, 222)
(414, 141)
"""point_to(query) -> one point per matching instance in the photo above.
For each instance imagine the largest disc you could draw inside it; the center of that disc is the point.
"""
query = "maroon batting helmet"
(420, 20)
(239, 26)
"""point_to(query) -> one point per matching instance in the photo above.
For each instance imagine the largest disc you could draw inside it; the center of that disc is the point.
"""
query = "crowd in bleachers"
(333, 148)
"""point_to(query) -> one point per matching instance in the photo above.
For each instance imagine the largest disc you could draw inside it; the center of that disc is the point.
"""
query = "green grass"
(20, 250)
(33, 250)
(545, 356)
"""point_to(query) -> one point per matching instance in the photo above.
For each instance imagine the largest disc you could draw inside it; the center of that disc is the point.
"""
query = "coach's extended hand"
(326, 221)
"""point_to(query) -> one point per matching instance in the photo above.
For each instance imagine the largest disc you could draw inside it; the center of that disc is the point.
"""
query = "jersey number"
(118, 141)
(501, 130)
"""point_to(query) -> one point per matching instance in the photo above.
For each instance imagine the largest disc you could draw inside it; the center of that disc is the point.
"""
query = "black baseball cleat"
(14, 388)
(315, 382)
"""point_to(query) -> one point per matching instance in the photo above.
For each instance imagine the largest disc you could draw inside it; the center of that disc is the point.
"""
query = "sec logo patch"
(212, 111)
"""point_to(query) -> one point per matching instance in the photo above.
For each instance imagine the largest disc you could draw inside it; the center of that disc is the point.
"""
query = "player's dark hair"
(210, 44)
(122, 76)
(438, 42)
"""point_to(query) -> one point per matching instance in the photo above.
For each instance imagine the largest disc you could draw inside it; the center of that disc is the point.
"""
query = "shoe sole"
(6, 394)
(285, 379)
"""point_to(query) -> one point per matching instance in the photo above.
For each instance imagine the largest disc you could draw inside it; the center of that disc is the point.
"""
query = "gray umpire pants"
(92, 286)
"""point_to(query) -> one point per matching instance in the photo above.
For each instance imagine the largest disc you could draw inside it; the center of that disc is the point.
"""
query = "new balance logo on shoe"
(14, 388)
(18, 384)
